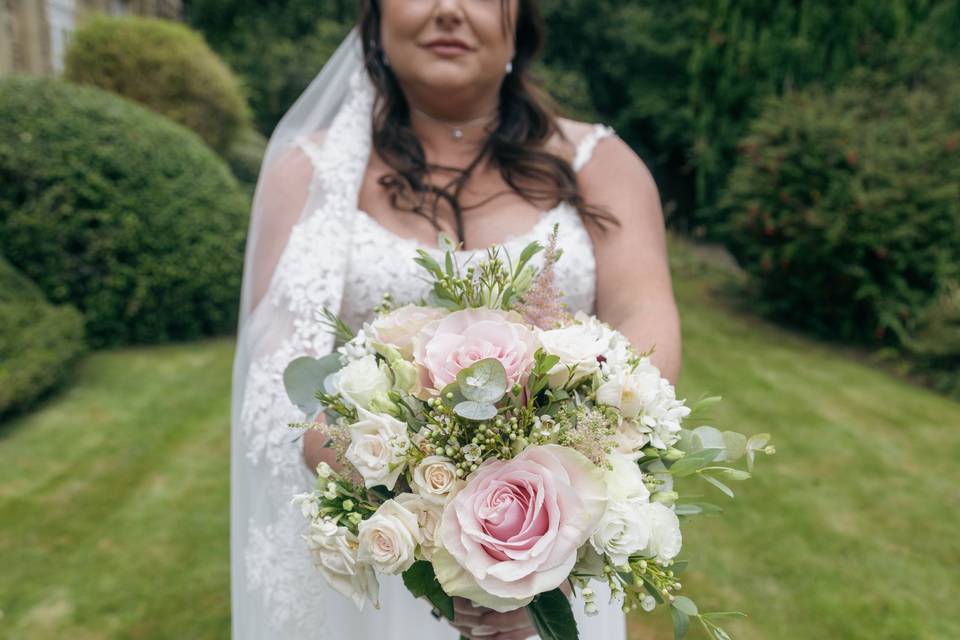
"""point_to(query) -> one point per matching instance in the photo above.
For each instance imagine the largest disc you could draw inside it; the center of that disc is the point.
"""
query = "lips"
(448, 47)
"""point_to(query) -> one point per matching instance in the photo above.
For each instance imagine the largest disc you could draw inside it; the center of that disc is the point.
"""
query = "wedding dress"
(338, 257)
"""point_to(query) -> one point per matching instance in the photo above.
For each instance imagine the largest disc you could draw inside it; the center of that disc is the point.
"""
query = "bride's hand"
(480, 623)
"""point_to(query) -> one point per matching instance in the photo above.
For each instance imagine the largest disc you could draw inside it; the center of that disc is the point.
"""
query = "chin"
(444, 78)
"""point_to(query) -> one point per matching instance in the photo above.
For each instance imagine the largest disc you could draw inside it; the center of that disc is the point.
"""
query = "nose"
(448, 13)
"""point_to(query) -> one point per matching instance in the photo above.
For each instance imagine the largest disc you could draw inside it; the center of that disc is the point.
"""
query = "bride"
(425, 120)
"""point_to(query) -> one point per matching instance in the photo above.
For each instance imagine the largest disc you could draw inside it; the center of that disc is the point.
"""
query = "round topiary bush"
(844, 207)
(119, 211)
(165, 66)
(38, 341)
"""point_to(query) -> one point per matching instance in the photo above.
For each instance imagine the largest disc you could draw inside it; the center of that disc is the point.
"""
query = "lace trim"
(589, 143)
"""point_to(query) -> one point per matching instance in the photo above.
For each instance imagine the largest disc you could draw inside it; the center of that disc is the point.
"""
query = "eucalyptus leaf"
(681, 622)
(485, 381)
(693, 462)
(719, 485)
(304, 376)
(686, 605)
(736, 445)
(707, 437)
(734, 474)
(477, 411)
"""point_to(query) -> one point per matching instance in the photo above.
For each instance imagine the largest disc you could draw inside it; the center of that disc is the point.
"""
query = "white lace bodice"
(381, 261)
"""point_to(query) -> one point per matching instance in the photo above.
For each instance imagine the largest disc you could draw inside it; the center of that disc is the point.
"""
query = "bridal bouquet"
(494, 447)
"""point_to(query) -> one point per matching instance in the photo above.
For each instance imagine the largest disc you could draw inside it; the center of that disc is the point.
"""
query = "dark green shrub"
(119, 211)
(38, 341)
(164, 66)
(934, 351)
(845, 207)
(681, 81)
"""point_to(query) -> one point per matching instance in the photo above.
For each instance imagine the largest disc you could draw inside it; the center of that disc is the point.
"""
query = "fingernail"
(484, 630)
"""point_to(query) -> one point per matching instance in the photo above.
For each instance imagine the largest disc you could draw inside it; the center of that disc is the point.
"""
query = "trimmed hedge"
(845, 207)
(38, 341)
(119, 211)
(164, 66)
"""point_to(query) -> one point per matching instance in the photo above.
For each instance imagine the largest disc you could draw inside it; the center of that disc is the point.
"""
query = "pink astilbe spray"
(541, 305)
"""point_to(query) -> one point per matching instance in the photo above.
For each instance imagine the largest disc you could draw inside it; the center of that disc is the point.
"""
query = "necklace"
(456, 128)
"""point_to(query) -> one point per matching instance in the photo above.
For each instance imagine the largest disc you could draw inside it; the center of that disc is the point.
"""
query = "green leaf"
(693, 462)
(421, 581)
(304, 376)
(485, 381)
(681, 622)
(719, 485)
(734, 474)
(528, 252)
(477, 411)
(686, 605)
(552, 616)
(736, 444)
(424, 260)
(697, 508)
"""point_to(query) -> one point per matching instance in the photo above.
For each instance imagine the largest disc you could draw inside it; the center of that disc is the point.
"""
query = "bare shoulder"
(617, 178)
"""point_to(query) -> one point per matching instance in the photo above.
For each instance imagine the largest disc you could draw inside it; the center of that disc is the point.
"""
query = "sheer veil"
(293, 268)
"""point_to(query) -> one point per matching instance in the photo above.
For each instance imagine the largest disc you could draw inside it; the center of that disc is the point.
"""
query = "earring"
(509, 67)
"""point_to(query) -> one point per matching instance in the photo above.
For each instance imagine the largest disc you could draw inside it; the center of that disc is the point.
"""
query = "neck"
(452, 132)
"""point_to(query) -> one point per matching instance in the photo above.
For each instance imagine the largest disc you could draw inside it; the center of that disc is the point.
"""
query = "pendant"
(457, 133)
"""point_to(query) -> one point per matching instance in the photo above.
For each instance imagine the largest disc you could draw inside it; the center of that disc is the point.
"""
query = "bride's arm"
(634, 289)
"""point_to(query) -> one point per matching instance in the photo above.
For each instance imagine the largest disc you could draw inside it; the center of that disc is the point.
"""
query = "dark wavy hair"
(527, 120)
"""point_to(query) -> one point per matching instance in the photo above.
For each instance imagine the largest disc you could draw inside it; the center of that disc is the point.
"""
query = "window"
(61, 18)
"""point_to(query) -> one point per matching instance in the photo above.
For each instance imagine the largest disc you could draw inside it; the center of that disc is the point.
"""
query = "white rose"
(625, 480)
(400, 325)
(577, 346)
(622, 532)
(435, 478)
(378, 448)
(334, 551)
(389, 538)
(428, 518)
(665, 538)
(363, 383)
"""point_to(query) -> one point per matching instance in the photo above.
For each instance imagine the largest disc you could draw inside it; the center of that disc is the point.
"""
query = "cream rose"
(400, 326)
(334, 551)
(363, 383)
(389, 538)
(435, 478)
(378, 448)
(428, 516)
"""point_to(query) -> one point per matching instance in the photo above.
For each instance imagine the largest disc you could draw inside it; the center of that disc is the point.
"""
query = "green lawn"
(113, 495)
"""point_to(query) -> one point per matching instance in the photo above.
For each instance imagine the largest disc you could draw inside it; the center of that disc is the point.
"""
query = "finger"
(466, 611)
(518, 634)
(465, 630)
(510, 621)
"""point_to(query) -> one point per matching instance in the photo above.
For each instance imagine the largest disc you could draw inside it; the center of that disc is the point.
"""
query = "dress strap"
(589, 143)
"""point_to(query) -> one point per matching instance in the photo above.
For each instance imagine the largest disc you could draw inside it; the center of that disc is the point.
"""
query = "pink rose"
(445, 346)
(515, 529)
